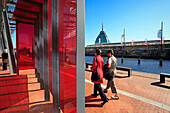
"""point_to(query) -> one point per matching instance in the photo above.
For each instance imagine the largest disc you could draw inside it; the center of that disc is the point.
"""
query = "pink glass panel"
(67, 55)
(25, 46)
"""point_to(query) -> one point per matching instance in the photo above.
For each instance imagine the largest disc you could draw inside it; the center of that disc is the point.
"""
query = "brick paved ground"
(142, 84)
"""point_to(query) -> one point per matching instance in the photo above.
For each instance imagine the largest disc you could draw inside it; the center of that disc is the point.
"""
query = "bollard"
(160, 62)
(87, 66)
(122, 60)
(138, 61)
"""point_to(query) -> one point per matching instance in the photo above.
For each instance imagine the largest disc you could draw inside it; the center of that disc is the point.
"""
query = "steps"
(23, 94)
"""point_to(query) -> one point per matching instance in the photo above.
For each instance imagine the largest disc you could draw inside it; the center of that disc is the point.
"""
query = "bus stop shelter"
(49, 39)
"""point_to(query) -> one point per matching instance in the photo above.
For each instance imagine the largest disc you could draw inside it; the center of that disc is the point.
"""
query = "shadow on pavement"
(42, 108)
(160, 85)
(121, 76)
(89, 99)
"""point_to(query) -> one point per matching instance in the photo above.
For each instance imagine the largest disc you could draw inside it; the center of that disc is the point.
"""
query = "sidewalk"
(140, 93)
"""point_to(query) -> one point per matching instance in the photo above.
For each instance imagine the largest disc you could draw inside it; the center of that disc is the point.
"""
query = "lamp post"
(161, 61)
(123, 46)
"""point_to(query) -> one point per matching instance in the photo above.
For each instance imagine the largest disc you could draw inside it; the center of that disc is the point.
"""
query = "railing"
(118, 68)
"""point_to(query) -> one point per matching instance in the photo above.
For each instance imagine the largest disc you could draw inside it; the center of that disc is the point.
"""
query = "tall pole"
(124, 36)
(161, 34)
(161, 62)
(123, 44)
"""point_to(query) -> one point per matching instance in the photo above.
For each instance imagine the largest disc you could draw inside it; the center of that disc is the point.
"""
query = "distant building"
(137, 49)
(102, 37)
(137, 45)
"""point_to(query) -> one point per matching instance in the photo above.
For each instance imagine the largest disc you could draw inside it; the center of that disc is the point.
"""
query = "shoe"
(105, 91)
(93, 95)
(104, 102)
(113, 97)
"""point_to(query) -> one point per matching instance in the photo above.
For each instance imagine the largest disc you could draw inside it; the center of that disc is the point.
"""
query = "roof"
(102, 37)
(27, 11)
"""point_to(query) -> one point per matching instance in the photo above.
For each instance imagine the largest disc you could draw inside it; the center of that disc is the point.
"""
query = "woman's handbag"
(95, 75)
(6, 61)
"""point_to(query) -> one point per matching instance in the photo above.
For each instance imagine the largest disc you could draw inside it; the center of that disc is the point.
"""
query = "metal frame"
(11, 4)
(4, 42)
(80, 56)
(7, 32)
(46, 60)
(17, 47)
(36, 46)
(55, 57)
(1, 44)
(41, 48)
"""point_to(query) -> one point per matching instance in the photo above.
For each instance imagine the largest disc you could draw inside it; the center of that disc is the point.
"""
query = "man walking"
(111, 65)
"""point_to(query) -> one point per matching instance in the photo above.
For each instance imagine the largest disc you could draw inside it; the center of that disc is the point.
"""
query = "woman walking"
(97, 67)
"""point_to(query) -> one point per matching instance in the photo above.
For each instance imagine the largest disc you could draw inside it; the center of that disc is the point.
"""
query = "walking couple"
(107, 71)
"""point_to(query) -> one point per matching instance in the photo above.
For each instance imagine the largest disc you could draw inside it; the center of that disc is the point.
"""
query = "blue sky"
(14, 39)
(140, 18)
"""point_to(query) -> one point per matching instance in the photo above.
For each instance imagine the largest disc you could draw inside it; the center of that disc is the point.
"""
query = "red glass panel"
(26, 6)
(67, 55)
(25, 46)
(19, 13)
(50, 42)
(22, 19)
(39, 1)
(14, 94)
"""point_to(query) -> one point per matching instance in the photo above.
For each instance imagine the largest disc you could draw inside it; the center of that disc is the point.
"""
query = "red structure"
(25, 50)
(49, 40)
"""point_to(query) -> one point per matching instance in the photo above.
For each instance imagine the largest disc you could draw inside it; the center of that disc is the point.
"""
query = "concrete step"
(33, 86)
(31, 75)
(32, 80)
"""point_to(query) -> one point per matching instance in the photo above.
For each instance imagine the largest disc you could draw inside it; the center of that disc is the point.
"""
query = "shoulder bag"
(95, 75)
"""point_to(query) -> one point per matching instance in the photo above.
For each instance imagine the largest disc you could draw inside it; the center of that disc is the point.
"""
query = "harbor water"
(147, 65)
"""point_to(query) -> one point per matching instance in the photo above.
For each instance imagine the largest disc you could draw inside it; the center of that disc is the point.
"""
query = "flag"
(159, 33)
(146, 42)
(162, 40)
(121, 44)
(132, 43)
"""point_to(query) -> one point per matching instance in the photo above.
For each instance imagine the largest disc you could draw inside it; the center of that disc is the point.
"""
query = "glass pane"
(67, 55)
(26, 46)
